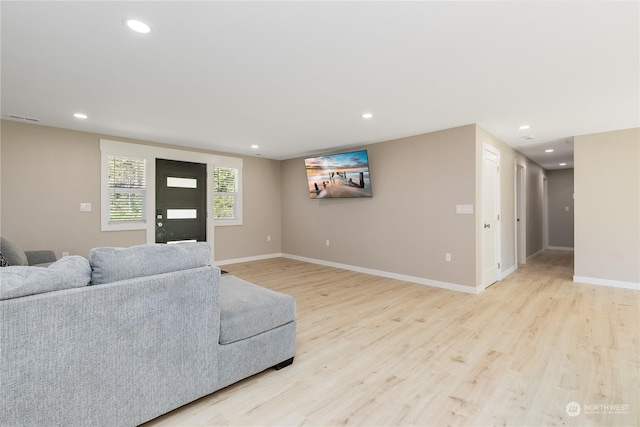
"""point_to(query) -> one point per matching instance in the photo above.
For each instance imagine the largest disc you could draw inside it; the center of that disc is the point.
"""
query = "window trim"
(238, 208)
(150, 153)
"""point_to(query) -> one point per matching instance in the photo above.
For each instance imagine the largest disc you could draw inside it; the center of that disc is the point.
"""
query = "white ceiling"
(295, 77)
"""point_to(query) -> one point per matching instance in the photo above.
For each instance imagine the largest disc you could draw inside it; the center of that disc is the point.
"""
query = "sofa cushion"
(69, 272)
(247, 310)
(114, 264)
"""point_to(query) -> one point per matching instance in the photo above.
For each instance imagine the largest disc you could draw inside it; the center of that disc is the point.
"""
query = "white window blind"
(225, 199)
(127, 189)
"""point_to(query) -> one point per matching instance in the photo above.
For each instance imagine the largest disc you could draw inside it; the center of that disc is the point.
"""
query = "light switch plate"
(464, 209)
(85, 207)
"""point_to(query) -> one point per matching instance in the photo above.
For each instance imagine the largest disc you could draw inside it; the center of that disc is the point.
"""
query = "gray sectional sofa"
(130, 334)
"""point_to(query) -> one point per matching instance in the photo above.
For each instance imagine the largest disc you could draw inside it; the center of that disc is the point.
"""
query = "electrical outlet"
(447, 257)
(326, 242)
(268, 238)
(64, 254)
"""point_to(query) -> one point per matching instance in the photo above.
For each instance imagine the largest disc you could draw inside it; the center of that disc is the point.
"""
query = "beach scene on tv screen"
(339, 175)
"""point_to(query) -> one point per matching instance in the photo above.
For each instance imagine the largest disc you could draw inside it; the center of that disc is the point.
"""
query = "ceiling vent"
(18, 117)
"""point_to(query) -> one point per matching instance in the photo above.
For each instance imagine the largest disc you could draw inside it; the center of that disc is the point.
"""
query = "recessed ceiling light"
(562, 164)
(367, 115)
(550, 150)
(79, 116)
(524, 127)
(255, 147)
(137, 26)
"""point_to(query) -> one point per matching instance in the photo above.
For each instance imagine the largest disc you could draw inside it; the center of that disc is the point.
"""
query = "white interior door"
(545, 213)
(490, 216)
(521, 217)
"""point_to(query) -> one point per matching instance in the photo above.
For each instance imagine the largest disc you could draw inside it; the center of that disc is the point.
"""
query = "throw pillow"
(3, 261)
(12, 252)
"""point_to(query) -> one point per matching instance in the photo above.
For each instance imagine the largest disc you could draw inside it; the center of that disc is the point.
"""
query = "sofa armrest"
(40, 257)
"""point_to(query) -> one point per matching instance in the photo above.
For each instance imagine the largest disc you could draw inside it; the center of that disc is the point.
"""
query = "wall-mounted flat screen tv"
(339, 175)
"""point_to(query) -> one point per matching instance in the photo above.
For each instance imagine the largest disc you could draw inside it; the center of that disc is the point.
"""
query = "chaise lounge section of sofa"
(130, 334)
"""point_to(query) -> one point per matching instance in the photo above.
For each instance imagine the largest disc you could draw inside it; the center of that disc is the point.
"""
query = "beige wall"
(409, 223)
(607, 206)
(47, 172)
(406, 228)
(262, 204)
(560, 196)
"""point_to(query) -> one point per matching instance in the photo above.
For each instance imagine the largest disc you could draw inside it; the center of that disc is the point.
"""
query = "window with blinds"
(225, 197)
(127, 189)
(126, 192)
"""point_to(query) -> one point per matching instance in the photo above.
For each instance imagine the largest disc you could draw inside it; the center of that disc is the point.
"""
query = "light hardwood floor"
(380, 352)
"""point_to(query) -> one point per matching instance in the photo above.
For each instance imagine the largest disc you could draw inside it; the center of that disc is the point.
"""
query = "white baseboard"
(423, 281)
(247, 259)
(605, 282)
(389, 275)
(539, 252)
(559, 248)
(508, 271)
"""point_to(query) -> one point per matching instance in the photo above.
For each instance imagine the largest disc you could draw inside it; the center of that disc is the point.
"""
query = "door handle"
(487, 226)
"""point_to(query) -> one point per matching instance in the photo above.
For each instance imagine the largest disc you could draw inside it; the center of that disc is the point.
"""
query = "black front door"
(181, 201)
